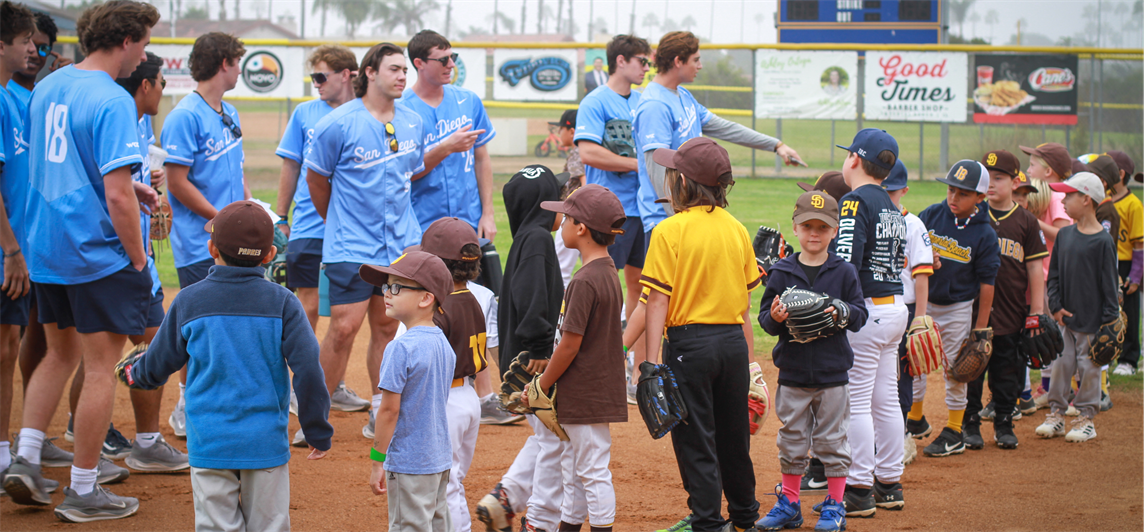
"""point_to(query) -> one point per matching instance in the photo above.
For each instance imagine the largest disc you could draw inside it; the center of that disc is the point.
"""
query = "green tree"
(959, 10)
(195, 13)
(650, 21)
(323, 6)
(409, 14)
(688, 22)
(357, 12)
(991, 19)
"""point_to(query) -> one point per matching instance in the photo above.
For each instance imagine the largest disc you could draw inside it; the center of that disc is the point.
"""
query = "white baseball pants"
(954, 321)
(875, 415)
(588, 490)
(464, 413)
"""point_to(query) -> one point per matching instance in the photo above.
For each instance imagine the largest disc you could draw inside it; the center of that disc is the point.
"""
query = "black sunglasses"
(229, 123)
(644, 61)
(320, 77)
(43, 49)
(445, 60)
(162, 83)
(396, 289)
(392, 141)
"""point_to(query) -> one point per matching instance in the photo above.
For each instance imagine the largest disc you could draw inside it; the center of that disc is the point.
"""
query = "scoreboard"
(861, 21)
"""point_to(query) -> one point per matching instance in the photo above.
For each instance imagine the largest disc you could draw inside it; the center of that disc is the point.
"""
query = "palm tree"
(650, 21)
(448, 17)
(409, 14)
(991, 19)
(500, 19)
(324, 6)
(539, 16)
(222, 9)
(959, 9)
(668, 24)
(600, 26)
(523, 18)
(357, 12)
(688, 22)
(760, 19)
(559, 15)
(974, 18)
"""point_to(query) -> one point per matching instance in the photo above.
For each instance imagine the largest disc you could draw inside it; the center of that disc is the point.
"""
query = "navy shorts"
(346, 286)
(16, 311)
(155, 309)
(117, 303)
(193, 273)
(630, 248)
(303, 260)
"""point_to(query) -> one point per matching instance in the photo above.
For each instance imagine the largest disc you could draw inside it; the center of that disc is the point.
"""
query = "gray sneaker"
(367, 429)
(50, 485)
(159, 457)
(492, 414)
(52, 456)
(299, 440)
(109, 473)
(25, 484)
(632, 394)
(99, 505)
(347, 400)
(178, 419)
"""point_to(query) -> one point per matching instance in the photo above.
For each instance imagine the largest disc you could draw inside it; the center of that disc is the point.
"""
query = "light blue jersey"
(14, 173)
(419, 366)
(194, 136)
(450, 189)
(143, 175)
(664, 119)
(306, 223)
(84, 128)
(596, 109)
(370, 219)
(23, 96)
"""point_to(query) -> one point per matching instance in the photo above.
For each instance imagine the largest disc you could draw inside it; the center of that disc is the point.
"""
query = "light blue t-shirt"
(664, 119)
(370, 218)
(194, 136)
(23, 96)
(306, 223)
(596, 109)
(143, 175)
(85, 128)
(419, 366)
(14, 173)
(450, 189)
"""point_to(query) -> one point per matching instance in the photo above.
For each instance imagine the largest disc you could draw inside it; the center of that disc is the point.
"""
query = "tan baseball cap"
(594, 206)
(424, 268)
(1054, 155)
(699, 159)
(816, 205)
(242, 230)
(1086, 183)
(445, 238)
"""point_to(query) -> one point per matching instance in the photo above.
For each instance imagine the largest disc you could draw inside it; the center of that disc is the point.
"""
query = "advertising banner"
(268, 71)
(469, 71)
(916, 86)
(807, 85)
(1025, 89)
(535, 75)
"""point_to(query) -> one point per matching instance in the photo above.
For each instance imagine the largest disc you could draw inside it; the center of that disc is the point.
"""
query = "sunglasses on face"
(445, 60)
(321, 77)
(396, 289)
(43, 49)
(162, 83)
(392, 143)
(229, 123)
(645, 62)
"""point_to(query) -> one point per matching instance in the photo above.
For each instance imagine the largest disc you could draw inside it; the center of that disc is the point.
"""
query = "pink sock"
(836, 486)
(791, 485)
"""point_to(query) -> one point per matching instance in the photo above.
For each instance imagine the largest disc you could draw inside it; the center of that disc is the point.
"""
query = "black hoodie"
(532, 289)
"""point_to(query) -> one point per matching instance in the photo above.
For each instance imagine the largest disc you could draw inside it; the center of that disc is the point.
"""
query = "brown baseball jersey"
(593, 389)
(464, 325)
(1108, 217)
(1021, 240)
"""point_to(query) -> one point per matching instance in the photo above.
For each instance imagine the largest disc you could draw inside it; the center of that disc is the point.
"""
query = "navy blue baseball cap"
(897, 180)
(869, 142)
(968, 174)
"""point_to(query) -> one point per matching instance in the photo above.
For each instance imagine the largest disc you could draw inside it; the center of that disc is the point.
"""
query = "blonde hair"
(1038, 202)
(1040, 161)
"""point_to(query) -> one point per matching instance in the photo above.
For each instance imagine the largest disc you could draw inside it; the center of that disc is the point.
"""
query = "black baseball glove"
(1042, 341)
(661, 404)
(513, 382)
(813, 315)
(1108, 341)
(769, 249)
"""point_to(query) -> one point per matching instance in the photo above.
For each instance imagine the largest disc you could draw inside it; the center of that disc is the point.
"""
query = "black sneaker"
(1003, 434)
(972, 437)
(115, 446)
(814, 479)
(856, 504)
(918, 429)
(889, 496)
(948, 442)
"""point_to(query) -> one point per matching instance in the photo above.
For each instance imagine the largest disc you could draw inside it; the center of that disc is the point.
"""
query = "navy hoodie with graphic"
(822, 363)
(970, 254)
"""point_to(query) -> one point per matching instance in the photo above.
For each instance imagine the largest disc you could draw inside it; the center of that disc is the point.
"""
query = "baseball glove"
(758, 398)
(923, 347)
(618, 137)
(1108, 341)
(973, 357)
(123, 368)
(544, 407)
(769, 249)
(1042, 341)
(809, 316)
(661, 404)
(512, 384)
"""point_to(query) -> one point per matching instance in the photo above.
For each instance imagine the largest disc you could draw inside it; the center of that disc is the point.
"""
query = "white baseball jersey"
(919, 255)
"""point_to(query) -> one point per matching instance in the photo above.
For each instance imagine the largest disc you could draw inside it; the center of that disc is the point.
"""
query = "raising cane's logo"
(896, 76)
(262, 71)
(545, 73)
(1052, 79)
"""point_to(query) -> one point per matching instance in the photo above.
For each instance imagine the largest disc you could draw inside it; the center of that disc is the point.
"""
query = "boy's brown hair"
(209, 52)
(603, 239)
(105, 26)
(875, 171)
(336, 56)
(469, 267)
(687, 193)
(423, 44)
(681, 44)
(628, 46)
(373, 60)
(15, 20)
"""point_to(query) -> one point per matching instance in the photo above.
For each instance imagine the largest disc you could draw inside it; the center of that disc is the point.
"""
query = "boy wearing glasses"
(358, 168)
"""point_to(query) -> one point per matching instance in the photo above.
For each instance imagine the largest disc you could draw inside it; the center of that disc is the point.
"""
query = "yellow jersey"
(1131, 225)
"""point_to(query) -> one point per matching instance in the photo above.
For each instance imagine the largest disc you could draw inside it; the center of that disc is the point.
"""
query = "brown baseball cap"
(1002, 161)
(1055, 155)
(1106, 169)
(831, 183)
(816, 205)
(594, 206)
(424, 268)
(699, 159)
(445, 238)
(1123, 161)
(1023, 182)
(242, 230)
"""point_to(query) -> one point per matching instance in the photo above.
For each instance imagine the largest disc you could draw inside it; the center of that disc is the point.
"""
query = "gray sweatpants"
(813, 418)
(1074, 361)
(237, 500)
(418, 503)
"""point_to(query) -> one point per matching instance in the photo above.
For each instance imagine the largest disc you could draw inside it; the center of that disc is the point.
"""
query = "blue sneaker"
(833, 518)
(785, 514)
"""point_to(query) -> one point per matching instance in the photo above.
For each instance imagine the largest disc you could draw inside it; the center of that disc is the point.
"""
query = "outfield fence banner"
(468, 72)
(806, 85)
(535, 74)
(916, 86)
(1025, 89)
(267, 71)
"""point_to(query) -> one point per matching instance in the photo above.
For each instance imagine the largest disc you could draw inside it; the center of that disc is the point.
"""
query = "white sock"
(83, 480)
(182, 387)
(375, 403)
(146, 439)
(31, 441)
(5, 458)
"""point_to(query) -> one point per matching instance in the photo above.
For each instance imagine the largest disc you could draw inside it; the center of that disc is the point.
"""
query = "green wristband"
(625, 349)
(376, 455)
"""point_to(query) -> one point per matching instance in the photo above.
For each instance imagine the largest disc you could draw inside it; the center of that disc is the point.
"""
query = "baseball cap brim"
(1139, 177)
(805, 217)
(1030, 151)
(554, 206)
(562, 179)
(554, 123)
(958, 185)
(805, 187)
(1061, 187)
(376, 275)
(664, 157)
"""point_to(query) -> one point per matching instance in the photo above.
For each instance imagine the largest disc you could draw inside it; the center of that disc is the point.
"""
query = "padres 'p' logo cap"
(816, 205)
(1002, 161)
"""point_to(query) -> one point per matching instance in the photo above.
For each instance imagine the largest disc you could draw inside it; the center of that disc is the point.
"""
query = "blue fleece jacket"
(970, 254)
(237, 333)
(826, 361)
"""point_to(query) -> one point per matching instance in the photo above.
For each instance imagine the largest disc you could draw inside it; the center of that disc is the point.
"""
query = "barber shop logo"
(262, 72)
(544, 74)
